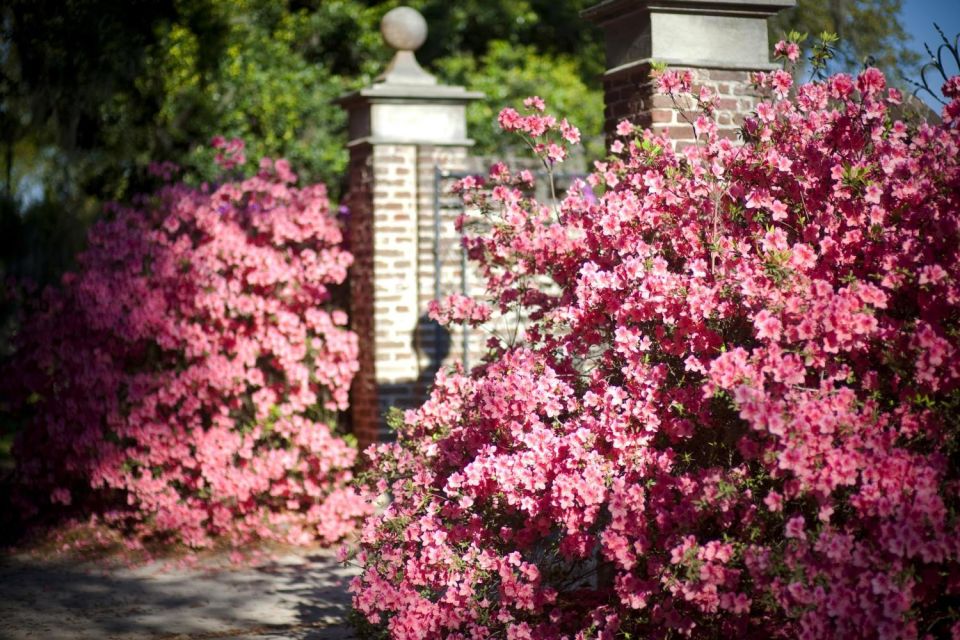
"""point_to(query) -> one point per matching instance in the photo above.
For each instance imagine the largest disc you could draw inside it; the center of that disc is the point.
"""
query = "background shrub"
(184, 381)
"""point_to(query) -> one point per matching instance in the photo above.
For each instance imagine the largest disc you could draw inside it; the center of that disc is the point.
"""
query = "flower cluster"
(734, 409)
(546, 136)
(458, 308)
(230, 153)
(184, 381)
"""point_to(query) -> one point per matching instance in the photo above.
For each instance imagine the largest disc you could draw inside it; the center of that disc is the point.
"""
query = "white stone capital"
(691, 33)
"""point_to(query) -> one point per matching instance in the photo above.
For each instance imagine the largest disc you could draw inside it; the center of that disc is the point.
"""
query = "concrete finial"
(404, 29)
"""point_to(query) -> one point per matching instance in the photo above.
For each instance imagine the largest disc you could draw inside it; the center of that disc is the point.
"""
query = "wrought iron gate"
(447, 245)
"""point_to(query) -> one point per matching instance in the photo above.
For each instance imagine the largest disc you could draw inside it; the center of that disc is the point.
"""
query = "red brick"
(661, 115)
(678, 132)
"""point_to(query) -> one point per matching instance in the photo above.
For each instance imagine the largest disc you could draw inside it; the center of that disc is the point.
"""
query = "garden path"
(295, 596)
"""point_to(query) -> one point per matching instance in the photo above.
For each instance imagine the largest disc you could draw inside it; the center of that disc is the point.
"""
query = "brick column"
(720, 41)
(400, 128)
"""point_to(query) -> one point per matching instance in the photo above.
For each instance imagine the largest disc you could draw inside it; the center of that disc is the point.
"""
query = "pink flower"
(535, 103)
(674, 82)
(778, 210)
(729, 339)
(556, 153)
(570, 133)
(62, 496)
(781, 81)
(767, 325)
(774, 501)
(796, 528)
(871, 81)
(789, 50)
(509, 119)
(201, 350)
(458, 308)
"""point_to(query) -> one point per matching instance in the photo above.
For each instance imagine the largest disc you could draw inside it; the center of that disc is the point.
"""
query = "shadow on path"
(299, 596)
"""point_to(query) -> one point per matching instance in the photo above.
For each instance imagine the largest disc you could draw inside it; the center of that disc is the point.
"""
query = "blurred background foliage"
(870, 31)
(92, 90)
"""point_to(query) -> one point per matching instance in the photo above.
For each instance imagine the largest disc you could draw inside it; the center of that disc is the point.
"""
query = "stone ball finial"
(404, 29)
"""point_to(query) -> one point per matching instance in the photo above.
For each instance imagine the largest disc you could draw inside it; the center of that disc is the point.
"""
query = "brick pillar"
(720, 41)
(400, 128)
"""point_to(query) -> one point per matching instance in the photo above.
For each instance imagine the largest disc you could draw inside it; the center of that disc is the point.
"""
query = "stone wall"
(363, 414)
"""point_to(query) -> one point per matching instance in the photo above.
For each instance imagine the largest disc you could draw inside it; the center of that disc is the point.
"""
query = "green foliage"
(824, 50)
(394, 418)
(262, 83)
(507, 73)
(467, 27)
(92, 90)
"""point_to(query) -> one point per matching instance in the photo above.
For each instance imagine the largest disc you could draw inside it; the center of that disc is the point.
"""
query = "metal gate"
(447, 246)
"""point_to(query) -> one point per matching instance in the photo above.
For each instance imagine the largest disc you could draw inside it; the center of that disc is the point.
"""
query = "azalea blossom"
(732, 409)
(183, 381)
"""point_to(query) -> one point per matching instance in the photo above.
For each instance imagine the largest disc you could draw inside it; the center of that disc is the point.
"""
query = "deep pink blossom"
(788, 50)
(732, 408)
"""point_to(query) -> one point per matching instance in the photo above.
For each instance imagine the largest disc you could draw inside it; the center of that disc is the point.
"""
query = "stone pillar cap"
(725, 34)
(406, 105)
(404, 80)
(611, 9)
(405, 30)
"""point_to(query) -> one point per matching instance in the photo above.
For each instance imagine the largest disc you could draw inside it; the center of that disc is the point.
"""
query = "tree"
(62, 67)
(868, 30)
(92, 91)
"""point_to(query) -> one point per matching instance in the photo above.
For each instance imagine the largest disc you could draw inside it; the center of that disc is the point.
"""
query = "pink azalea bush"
(734, 411)
(183, 382)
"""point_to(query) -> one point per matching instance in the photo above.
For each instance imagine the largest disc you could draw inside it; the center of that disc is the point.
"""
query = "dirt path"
(298, 596)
